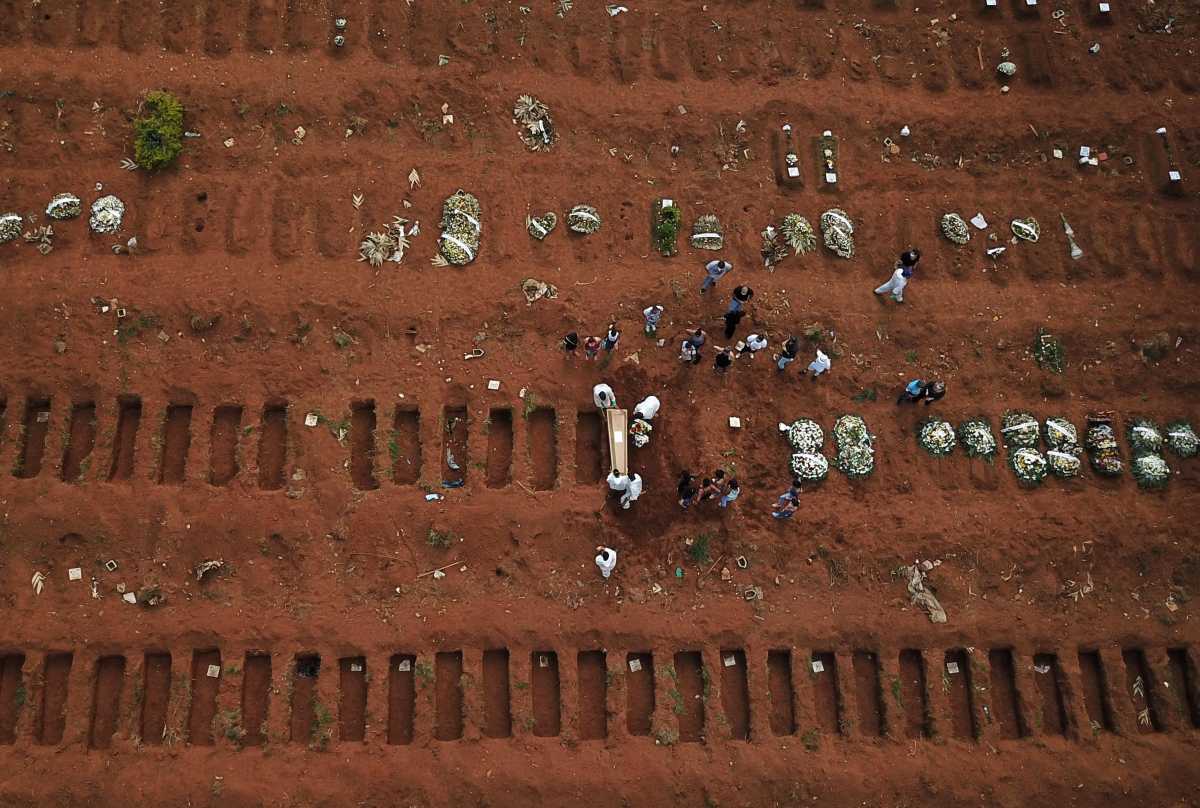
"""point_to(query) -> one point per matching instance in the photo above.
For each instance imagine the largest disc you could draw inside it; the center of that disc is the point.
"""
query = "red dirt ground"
(170, 441)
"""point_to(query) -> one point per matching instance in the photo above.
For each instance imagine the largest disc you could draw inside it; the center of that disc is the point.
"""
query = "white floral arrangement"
(799, 233)
(855, 446)
(10, 227)
(541, 226)
(1029, 465)
(1026, 229)
(64, 206)
(838, 232)
(107, 213)
(804, 435)
(1019, 429)
(810, 466)
(583, 219)
(1103, 452)
(1064, 462)
(954, 227)
(1144, 436)
(1060, 433)
(936, 437)
(387, 245)
(707, 233)
(977, 438)
(461, 227)
(1150, 470)
(1182, 440)
(537, 130)
(773, 250)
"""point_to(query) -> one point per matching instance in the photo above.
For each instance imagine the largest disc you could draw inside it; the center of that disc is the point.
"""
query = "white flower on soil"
(936, 437)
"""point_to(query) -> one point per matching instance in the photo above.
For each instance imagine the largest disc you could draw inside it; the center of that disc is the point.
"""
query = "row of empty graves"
(207, 697)
(401, 445)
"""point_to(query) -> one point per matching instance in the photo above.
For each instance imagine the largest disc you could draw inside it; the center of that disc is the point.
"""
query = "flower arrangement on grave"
(799, 233)
(541, 226)
(855, 446)
(936, 436)
(537, 130)
(954, 228)
(1182, 440)
(977, 438)
(1029, 465)
(583, 219)
(461, 228)
(1104, 454)
(838, 232)
(667, 221)
(1019, 429)
(707, 233)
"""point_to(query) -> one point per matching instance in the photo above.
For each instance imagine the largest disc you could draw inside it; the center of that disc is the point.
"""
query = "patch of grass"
(866, 394)
(910, 357)
(678, 705)
(896, 691)
(393, 446)
(666, 737)
(158, 133)
(439, 540)
(530, 404)
(322, 728)
(341, 339)
(698, 549)
(811, 740)
(424, 673)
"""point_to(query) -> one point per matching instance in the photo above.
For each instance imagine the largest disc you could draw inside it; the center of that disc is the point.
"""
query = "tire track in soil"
(256, 698)
(593, 695)
(1006, 700)
(689, 695)
(272, 447)
(497, 709)
(81, 440)
(826, 698)
(352, 702)
(543, 448)
(129, 418)
(589, 456)
(52, 717)
(499, 447)
(156, 690)
(204, 697)
(782, 693)
(547, 698)
(639, 694)
(177, 439)
(304, 692)
(1095, 690)
(402, 699)
(914, 694)
(33, 447)
(448, 670)
(868, 693)
(960, 693)
(735, 694)
(405, 449)
(223, 445)
(11, 695)
(1049, 685)
(106, 700)
(362, 445)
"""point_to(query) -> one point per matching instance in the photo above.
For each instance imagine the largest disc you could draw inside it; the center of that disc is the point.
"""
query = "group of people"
(715, 487)
(718, 487)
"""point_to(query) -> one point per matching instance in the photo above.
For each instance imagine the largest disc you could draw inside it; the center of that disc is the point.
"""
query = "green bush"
(666, 229)
(159, 131)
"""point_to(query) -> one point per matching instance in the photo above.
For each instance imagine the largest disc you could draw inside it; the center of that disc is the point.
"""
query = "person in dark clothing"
(909, 260)
(934, 391)
(741, 296)
(569, 343)
(918, 390)
(686, 490)
(611, 338)
(723, 361)
(788, 354)
(732, 318)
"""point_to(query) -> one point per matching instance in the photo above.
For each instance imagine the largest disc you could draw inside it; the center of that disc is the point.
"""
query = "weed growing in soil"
(678, 705)
(424, 673)
(896, 691)
(910, 357)
(811, 740)
(322, 731)
(866, 394)
(666, 737)
(440, 540)
(698, 549)
(159, 132)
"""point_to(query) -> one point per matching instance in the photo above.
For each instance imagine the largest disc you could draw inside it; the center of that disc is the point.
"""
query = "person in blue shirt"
(917, 390)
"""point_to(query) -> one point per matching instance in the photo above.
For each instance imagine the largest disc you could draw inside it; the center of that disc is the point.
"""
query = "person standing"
(569, 343)
(818, 366)
(689, 351)
(603, 396)
(754, 344)
(713, 272)
(790, 505)
(618, 481)
(686, 490)
(732, 492)
(788, 354)
(632, 491)
(606, 560)
(792, 493)
(652, 314)
(741, 296)
(611, 338)
(723, 360)
(647, 408)
(905, 267)
(917, 389)
(934, 391)
(732, 318)
(591, 347)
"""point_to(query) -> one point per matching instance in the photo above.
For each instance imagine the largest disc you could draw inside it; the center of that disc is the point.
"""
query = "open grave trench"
(710, 694)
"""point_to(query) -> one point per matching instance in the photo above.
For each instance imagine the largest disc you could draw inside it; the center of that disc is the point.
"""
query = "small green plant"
(530, 405)
(896, 691)
(158, 133)
(698, 549)
(910, 357)
(666, 737)
(667, 221)
(322, 727)
(341, 339)
(424, 673)
(440, 540)
(866, 394)
(1048, 351)
(811, 740)
(678, 705)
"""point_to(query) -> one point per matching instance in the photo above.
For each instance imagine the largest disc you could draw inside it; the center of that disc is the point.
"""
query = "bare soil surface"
(155, 408)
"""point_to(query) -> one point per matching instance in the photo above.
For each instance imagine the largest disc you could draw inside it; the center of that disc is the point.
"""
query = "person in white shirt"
(754, 344)
(647, 409)
(604, 396)
(632, 491)
(652, 314)
(618, 481)
(905, 267)
(713, 272)
(818, 366)
(606, 560)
